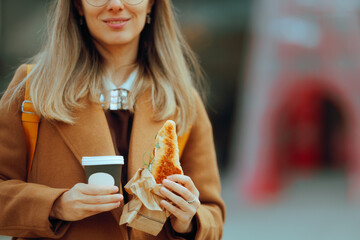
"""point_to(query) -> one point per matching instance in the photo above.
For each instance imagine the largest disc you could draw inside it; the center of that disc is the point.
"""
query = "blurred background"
(283, 100)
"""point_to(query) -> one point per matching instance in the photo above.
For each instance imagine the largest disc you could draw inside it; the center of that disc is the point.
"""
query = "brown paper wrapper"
(143, 212)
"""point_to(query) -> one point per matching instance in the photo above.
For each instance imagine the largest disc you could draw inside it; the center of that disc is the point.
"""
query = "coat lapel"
(143, 133)
(90, 135)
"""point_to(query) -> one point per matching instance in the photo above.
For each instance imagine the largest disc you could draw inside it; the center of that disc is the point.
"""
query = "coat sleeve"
(199, 163)
(24, 207)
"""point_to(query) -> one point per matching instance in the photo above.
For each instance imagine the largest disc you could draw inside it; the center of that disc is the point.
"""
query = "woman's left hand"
(183, 202)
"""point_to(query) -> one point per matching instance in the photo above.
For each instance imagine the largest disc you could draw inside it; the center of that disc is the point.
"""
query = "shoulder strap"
(182, 140)
(30, 121)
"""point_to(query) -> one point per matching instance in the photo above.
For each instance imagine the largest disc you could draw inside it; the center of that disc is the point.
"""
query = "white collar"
(127, 84)
(118, 96)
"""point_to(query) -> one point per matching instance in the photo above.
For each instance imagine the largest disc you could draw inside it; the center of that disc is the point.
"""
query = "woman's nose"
(115, 5)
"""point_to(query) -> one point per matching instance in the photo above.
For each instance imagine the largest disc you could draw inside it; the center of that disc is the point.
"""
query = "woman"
(93, 47)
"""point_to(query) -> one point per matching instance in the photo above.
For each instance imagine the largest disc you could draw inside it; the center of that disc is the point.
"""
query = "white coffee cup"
(103, 170)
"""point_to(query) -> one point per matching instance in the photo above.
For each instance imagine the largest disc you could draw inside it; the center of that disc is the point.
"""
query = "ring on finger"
(190, 202)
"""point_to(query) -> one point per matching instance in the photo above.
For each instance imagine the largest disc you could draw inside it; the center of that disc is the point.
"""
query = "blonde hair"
(69, 68)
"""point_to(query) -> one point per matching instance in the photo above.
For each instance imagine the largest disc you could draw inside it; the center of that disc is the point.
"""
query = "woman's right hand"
(84, 200)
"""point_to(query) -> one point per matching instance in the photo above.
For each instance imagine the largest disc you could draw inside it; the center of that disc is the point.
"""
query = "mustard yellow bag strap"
(30, 121)
(182, 140)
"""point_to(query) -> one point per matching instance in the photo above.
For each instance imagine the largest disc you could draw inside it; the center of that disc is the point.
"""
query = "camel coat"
(25, 202)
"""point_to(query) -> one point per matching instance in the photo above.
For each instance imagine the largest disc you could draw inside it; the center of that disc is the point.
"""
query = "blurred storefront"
(302, 100)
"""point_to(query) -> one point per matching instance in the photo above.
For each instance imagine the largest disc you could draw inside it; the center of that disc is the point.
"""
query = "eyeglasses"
(100, 3)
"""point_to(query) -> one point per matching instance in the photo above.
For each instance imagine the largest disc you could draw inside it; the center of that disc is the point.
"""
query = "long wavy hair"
(69, 68)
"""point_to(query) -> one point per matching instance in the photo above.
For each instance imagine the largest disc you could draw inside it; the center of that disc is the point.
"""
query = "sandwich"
(166, 153)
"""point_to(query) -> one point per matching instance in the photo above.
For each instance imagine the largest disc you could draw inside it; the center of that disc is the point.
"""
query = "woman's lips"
(116, 23)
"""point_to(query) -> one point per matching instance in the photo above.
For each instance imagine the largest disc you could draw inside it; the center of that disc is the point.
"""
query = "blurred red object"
(304, 124)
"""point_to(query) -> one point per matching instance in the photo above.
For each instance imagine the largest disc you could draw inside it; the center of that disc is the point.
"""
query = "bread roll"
(166, 160)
